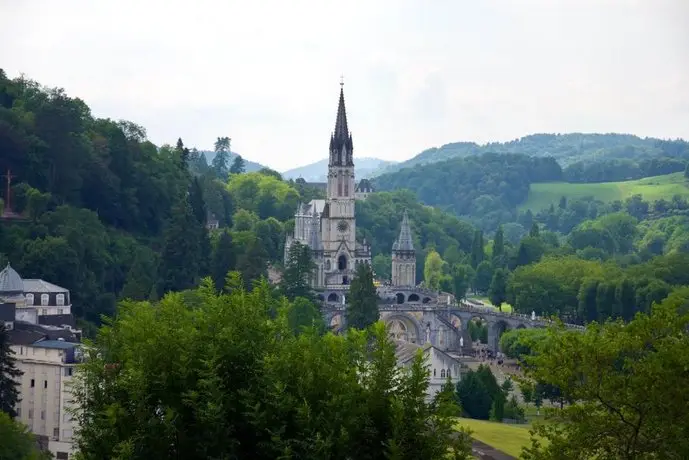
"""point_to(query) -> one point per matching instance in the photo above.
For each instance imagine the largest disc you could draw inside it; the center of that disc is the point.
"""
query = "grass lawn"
(507, 438)
(542, 195)
(507, 308)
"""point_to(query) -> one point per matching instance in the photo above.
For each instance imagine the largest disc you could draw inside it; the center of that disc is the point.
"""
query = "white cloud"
(417, 74)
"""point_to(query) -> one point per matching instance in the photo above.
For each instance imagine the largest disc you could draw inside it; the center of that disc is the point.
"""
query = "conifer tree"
(499, 248)
(238, 165)
(179, 268)
(222, 158)
(9, 393)
(477, 254)
(298, 272)
(224, 259)
(362, 304)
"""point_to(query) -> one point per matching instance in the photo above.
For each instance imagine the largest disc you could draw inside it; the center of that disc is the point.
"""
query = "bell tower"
(341, 184)
(404, 257)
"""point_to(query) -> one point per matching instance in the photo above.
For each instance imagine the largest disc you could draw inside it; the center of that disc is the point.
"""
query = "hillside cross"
(9, 177)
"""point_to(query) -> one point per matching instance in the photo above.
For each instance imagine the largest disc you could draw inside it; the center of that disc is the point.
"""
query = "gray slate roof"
(10, 281)
(40, 286)
(404, 241)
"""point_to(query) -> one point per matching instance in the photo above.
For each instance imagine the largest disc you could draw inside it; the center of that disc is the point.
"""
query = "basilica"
(328, 226)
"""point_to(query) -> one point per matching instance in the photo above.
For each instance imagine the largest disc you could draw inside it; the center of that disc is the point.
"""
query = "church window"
(327, 264)
(29, 299)
(442, 373)
(346, 188)
(60, 299)
(44, 299)
(448, 372)
(342, 262)
(433, 372)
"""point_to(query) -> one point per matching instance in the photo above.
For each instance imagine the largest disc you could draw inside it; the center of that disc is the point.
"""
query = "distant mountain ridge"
(565, 148)
(249, 165)
(366, 167)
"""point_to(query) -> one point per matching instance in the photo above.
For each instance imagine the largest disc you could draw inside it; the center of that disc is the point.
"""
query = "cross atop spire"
(341, 81)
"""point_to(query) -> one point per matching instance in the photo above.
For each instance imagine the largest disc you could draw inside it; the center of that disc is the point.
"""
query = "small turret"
(404, 256)
(315, 242)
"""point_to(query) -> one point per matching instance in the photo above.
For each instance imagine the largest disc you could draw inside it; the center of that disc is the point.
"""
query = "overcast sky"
(417, 74)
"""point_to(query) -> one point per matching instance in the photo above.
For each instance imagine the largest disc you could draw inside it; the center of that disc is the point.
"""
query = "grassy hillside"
(508, 438)
(542, 195)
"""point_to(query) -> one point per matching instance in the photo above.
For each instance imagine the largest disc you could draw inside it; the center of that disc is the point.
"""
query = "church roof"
(10, 281)
(404, 241)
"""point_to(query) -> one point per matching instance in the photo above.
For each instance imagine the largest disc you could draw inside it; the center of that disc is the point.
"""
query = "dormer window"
(60, 299)
(45, 299)
(29, 299)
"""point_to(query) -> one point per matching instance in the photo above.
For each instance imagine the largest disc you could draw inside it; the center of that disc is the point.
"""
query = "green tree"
(253, 262)
(298, 273)
(433, 270)
(17, 442)
(303, 314)
(9, 393)
(535, 231)
(224, 259)
(474, 397)
(499, 248)
(483, 278)
(221, 158)
(497, 292)
(382, 267)
(362, 303)
(477, 252)
(647, 419)
(462, 277)
(238, 165)
(180, 259)
(141, 277)
(232, 383)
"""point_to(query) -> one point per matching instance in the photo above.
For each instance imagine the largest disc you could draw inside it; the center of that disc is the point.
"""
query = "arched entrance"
(333, 297)
(342, 262)
(399, 298)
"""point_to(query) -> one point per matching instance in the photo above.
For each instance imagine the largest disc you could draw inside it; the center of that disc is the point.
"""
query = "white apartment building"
(37, 315)
(48, 367)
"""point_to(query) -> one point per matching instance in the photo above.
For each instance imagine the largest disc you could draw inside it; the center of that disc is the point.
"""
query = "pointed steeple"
(341, 145)
(315, 242)
(404, 241)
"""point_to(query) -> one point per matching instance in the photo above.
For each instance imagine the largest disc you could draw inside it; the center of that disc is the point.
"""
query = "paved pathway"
(485, 452)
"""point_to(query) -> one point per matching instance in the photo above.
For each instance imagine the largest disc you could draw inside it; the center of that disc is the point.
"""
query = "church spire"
(404, 241)
(315, 242)
(341, 145)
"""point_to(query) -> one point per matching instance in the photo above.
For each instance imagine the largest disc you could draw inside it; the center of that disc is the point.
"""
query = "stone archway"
(403, 327)
(413, 298)
(333, 297)
(399, 298)
(495, 332)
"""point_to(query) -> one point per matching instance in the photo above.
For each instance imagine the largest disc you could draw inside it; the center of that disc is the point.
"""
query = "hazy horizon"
(416, 76)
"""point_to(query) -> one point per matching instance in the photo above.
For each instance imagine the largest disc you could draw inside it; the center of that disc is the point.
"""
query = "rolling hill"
(316, 172)
(565, 148)
(542, 195)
